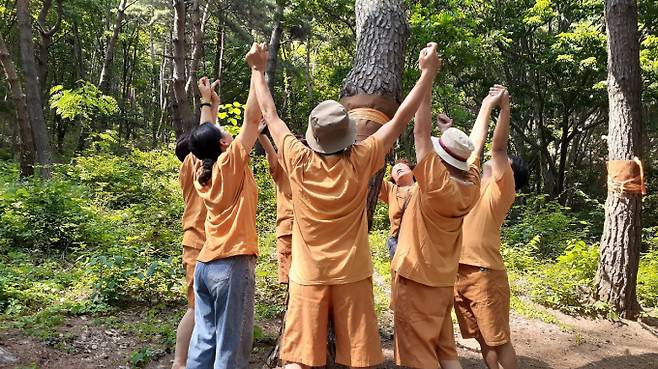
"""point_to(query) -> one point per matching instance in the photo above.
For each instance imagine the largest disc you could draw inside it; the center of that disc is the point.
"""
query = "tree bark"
(45, 37)
(198, 30)
(275, 44)
(33, 88)
(375, 80)
(104, 81)
(27, 153)
(181, 103)
(622, 232)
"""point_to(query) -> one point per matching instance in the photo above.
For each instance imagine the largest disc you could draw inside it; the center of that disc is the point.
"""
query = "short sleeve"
(186, 169)
(431, 174)
(292, 152)
(368, 155)
(231, 164)
(505, 191)
(385, 190)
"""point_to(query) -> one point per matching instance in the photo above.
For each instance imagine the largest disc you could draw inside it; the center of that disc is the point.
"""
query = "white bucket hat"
(454, 147)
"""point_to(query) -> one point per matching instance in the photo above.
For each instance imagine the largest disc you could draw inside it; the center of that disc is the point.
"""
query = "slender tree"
(27, 153)
(45, 38)
(33, 87)
(375, 80)
(186, 122)
(104, 81)
(620, 244)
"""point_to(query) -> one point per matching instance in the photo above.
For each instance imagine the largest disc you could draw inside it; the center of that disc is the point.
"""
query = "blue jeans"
(224, 313)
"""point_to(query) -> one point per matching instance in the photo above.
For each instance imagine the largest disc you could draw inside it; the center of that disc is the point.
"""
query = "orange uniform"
(482, 290)
(394, 196)
(425, 263)
(331, 267)
(284, 219)
(194, 218)
(231, 203)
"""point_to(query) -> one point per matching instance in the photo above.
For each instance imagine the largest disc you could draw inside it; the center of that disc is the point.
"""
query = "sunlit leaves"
(85, 102)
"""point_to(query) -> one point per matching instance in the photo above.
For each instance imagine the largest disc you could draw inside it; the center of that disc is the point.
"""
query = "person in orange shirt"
(224, 279)
(425, 263)
(284, 214)
(395, 193)
(330, 275)
(482, 291)
(194, 236)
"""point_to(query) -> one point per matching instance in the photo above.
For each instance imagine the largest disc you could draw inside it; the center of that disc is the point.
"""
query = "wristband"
(205, 104)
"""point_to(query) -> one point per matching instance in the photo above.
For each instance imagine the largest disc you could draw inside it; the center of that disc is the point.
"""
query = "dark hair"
(521, 174)
(204, 144)
(183, 146)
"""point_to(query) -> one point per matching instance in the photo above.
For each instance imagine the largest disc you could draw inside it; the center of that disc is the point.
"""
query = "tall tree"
(104, 81)
(25, 129)
(620, 244)
(274, 45)
(33, 87)
(45, 37)
(180, 103)
(375, 80)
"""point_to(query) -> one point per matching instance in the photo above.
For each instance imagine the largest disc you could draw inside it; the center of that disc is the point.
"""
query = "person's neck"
(406, 182)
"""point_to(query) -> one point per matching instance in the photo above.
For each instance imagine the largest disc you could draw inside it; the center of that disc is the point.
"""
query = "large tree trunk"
(104, 81)
(27, 144)
(375, 80)
(620, 244)
(45, 37)
(181, 103)
(33, 88)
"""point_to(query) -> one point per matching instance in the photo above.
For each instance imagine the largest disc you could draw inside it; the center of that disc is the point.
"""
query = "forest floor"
(118, 342)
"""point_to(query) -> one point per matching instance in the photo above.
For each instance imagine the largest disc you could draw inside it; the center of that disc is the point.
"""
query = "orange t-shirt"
(481, 242)
(394, 196)
(231, 200)
(330, 227)
(284, 214)
(430, 239)
(194, 213)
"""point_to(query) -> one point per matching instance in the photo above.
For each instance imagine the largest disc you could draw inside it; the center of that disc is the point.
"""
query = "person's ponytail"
(206, 171)
(205, 145)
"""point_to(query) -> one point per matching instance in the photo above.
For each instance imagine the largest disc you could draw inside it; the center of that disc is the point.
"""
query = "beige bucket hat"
(454, 147)
(330, 129)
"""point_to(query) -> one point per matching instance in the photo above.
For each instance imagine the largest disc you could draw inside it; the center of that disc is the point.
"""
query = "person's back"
(330, 232)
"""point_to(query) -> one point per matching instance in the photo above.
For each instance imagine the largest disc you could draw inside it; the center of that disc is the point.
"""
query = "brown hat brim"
(336, 144)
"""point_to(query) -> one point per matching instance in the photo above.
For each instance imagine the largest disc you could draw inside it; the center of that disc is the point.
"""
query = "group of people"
(444, 243)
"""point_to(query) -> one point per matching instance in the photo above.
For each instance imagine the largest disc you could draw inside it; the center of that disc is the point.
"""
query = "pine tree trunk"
(104, 81)
(620, 244)
(275, 43)
(33, 88)
(375, 80)
(181, 102)
(26, 144)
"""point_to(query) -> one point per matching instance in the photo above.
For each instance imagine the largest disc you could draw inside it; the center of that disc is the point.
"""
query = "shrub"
(647, 280)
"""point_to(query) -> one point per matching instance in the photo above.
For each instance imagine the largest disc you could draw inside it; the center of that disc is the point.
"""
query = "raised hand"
(444, 122)
(257, 57)
(429, 59)
(205, 89)
(498, 96)
(214, 97)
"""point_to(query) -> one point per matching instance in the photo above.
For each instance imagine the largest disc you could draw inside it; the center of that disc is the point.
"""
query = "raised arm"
(209, 101)
(423, 128)
(499, 158)
(429, 63)
(252, 115)
(257, 60)
(270, 153)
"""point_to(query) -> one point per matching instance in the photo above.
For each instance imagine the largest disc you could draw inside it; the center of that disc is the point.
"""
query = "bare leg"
(183, 336)
(507, 356)
(489, 355)
(450, 364)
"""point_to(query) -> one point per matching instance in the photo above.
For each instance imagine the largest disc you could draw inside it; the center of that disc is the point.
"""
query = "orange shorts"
(283, 248)
(351, 309)
(482, 304)
(422, 323)
(190, 255)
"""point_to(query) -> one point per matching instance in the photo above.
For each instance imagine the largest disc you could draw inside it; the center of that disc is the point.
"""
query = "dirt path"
(588, 344)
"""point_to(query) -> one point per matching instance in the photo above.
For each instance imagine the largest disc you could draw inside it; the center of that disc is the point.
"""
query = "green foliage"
(85, 102)
(647, 281)
(230, 117)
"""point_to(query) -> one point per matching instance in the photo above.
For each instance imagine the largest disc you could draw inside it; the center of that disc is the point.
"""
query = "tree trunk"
(198, 30)
(45, 37)
(275, 43)
(111, 45)
(33, 88)
(26, 144)
(181, 103)
(79, 67)
(375, 80)
(622, 232)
